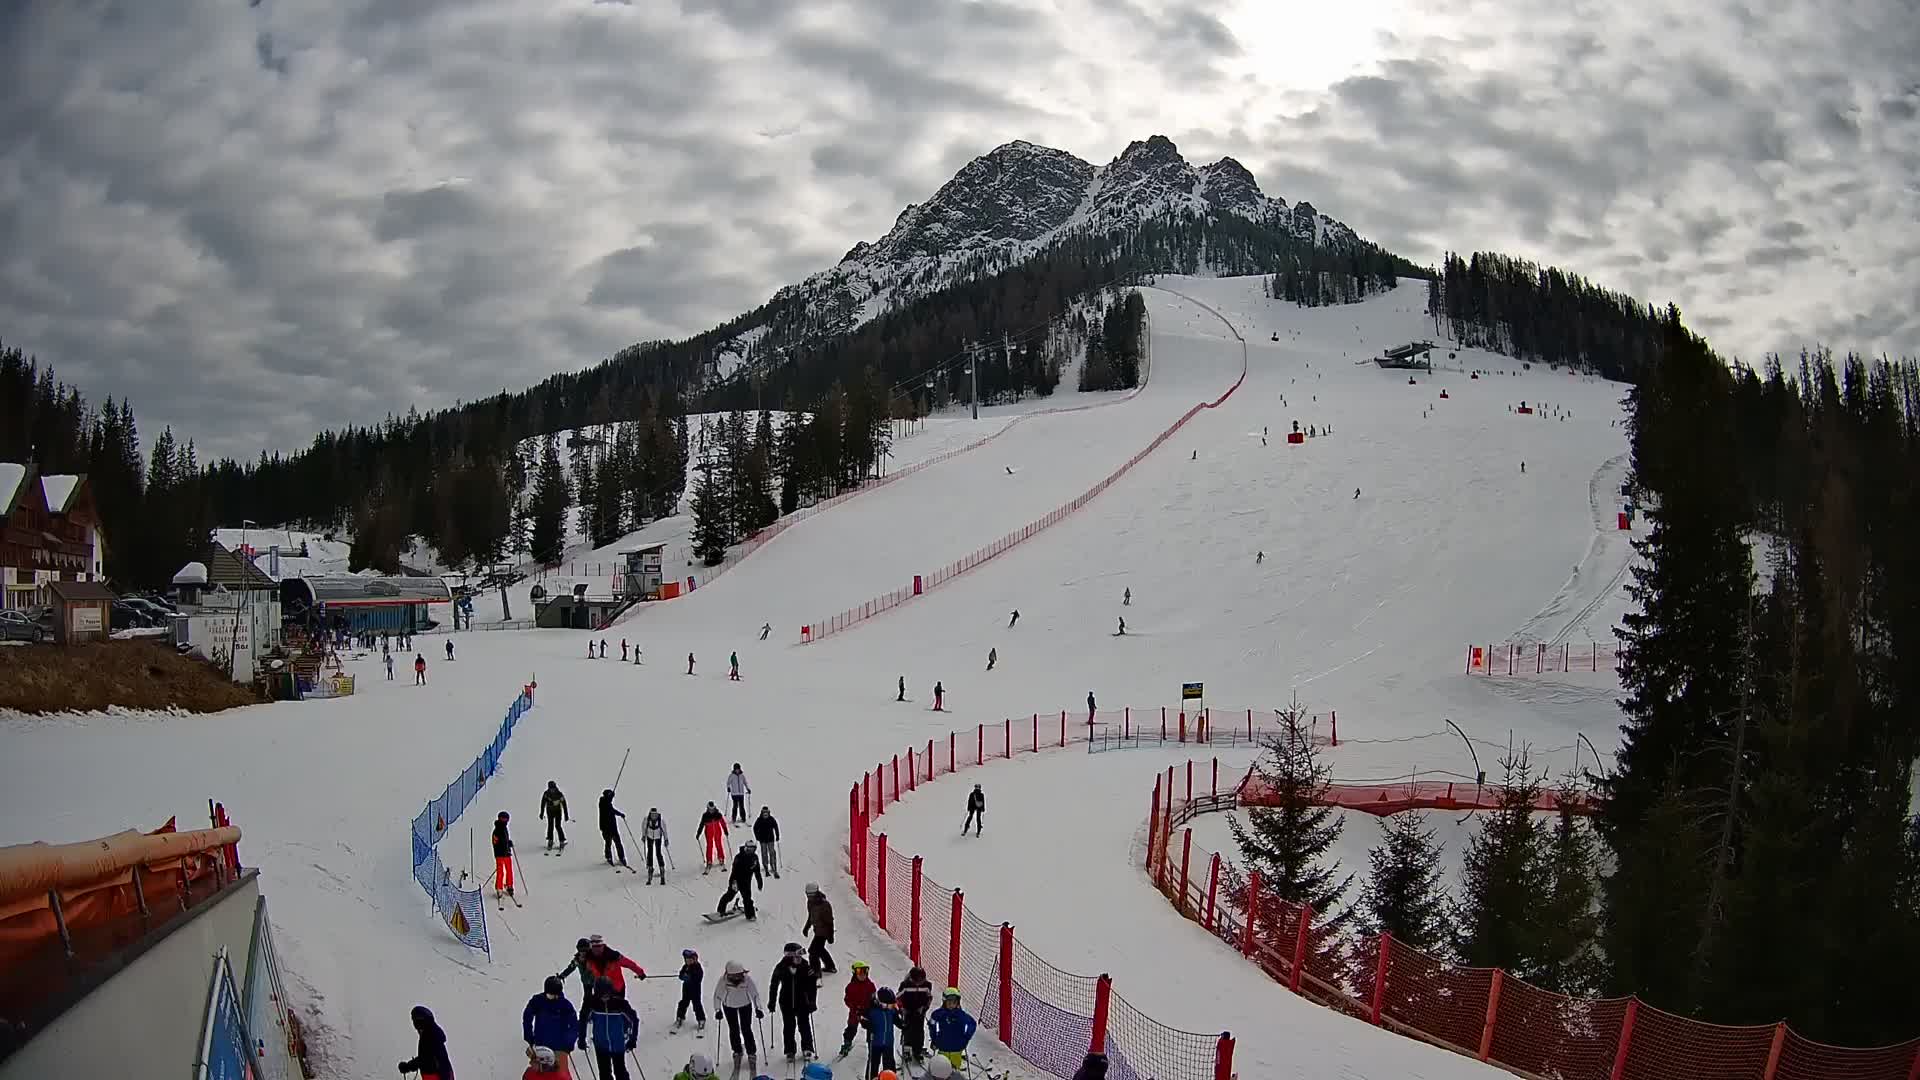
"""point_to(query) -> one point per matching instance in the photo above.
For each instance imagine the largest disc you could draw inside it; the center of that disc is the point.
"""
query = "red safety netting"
(1141, 1047)
(1477, 1012)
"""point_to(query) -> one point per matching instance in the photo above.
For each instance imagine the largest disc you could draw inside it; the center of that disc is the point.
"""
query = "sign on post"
(1192, 691)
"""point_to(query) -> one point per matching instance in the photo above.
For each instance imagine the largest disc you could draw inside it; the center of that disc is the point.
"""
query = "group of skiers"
(597, 650)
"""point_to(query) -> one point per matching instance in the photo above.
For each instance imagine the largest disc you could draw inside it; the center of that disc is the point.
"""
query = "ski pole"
(635, 1055)
(666, 848)
(623, 769)
(521, 870)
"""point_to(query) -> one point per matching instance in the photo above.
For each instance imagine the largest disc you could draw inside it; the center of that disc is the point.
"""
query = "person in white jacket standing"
(738, 788)
(737, 998)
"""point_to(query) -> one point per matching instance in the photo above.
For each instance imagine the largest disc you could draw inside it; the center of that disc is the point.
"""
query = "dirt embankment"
(130, 674)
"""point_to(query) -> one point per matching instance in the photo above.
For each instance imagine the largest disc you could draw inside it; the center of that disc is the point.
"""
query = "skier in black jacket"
(745, 874)
(976, 811)
(431, 1062)
(553, 807)
(610, 829)
(795, 991)
(916, 1000)
(767, 831)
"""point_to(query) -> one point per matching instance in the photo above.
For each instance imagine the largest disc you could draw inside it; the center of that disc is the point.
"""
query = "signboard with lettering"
(85, 620)
(1192, 691)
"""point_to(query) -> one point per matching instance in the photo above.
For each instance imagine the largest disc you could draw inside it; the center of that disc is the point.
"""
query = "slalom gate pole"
(623, 769)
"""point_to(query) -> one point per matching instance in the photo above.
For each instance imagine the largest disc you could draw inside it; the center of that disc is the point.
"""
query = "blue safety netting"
(461, 908)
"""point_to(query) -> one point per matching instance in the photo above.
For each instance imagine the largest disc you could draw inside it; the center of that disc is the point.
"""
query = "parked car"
(19, 626)
(157, 614)
(126, 617)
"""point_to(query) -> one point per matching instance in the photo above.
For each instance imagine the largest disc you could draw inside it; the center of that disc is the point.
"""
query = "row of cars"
(35, 624)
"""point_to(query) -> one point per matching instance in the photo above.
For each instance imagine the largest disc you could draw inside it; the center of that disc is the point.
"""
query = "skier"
(950, 1028)
(590, 650)
(916, 1000)
(738, 790)
(733, 998)
(502, 857)
(993, 657)
(1196, 456)
(881, 1019)
(1356, 493)
(653, 834)
(606, 963)
(1090, 707)
(623, 650)
(553, 807)
(858, 997)
(543, 1063)
(419, 670)
(1259, 557)
(765, 629)
(579, 963)
(976, 811)
(820, 924)
(549, 1019)
(699, 1067)
(610, 829)
(767, 831)
(1093, 1068)
(636, 652)
(1014, 620)
(450, 649)
(795, 989)
(691, 974)
(1126, 598)
(939, 696)
(741, 879)
(1523, 468)
(612, 1026)
(430, 1060)
(689, 663)
(713, 832)
(1122, 632)
(903, 689)
(389, 660)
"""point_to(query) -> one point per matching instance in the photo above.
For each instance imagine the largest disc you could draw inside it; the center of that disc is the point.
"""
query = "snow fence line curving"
(1048, 1017)
(1483, 1013)
(860, 613)
(463, 910)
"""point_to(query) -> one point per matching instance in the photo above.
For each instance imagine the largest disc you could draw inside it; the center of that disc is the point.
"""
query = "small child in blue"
(880, 1020)
(691, 975)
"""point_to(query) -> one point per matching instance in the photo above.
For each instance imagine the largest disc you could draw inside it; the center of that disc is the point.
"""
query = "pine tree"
(551, 498)
(710, 535)
(1570, 922)
(1290, 842)
(1403, 894)
(1498, 917)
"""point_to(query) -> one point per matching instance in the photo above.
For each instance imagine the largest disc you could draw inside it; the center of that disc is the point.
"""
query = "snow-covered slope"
(1360, 604)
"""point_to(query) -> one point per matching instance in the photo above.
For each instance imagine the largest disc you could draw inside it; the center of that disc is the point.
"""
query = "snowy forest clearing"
(1359, 604)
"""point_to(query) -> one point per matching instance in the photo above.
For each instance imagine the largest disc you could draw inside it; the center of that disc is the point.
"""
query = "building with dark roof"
(359, 604)
(49, 531)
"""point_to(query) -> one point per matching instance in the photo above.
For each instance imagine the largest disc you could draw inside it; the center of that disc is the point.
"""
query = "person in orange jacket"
(603, 962)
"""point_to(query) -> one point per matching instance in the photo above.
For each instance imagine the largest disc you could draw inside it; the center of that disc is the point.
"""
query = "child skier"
(820, 925)
(502, 857)
(916, 1000)
(880, 1021)
(713, 833)
(691, 974)
(544, 1064)
(553, 807)
(767, 831)
(389, 667)
(858, 997)
(699, 1067)
(579, 963)
(950, 1028)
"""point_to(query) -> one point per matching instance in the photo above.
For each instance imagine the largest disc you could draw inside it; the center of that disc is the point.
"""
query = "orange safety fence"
(1483, 1013)
(1517, 658)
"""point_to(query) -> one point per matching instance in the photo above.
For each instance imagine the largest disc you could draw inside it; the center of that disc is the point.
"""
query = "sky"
(260, 219)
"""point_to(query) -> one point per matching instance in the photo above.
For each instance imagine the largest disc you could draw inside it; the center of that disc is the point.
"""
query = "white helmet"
(939, 1067)
(543, 1056)
(735, 967)
(700, 1065)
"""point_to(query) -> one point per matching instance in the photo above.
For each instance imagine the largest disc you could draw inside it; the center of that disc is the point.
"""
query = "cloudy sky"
(258, 219)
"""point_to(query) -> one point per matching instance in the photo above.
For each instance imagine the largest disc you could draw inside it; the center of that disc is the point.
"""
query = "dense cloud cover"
(257, 220)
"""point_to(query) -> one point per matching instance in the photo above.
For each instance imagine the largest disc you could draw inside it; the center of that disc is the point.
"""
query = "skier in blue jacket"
(950, 1029)
(612, 1026)
(881, 1018)
(549, 1019)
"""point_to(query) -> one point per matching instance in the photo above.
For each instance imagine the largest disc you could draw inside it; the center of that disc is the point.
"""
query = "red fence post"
(980, 744)
(1380, 975)
(860, 858)
(913, 931)
(1063, 728)
(1102, 992)
(953, 939)
(1213, 886)
(1223, 1057)
(1189, 780)
(1126, 722)
(1773, 1052)
(1253, 913)
(932, 769)
(1914, 1073)
(1006, 984)
(1153, 823)
(1216, 778)
(1626, 1040)
(1335, 714)
(913, 772)
(896, 778)
(853, 831)
(951, 767)
(1007, 730)
(1036, 733)
(879, 789)
(1300, 948)
(1181, 730)
(1493, 1011)
(880, 876)
(1186, 854)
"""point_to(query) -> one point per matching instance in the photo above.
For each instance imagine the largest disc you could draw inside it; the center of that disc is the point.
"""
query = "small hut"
(81, 611)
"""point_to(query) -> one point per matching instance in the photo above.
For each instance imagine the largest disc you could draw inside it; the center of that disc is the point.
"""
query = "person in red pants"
(713, 833)
(502, 857)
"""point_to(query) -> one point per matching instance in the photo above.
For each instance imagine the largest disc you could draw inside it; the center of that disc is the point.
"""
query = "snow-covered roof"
(11, 473)
(59, 489)
(194, 573)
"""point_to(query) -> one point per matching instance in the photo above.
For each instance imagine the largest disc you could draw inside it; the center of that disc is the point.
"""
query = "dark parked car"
(127, 617)
(20, 626)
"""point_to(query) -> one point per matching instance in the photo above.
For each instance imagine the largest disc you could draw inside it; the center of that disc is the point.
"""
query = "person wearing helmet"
(544, 1064)
(741, 880)
(737, 999)
(795, 992)
(951, 1029)
(502, 857)
(1094, 1068)
(818, 1070)
(549, 1019)
(691, 974)
(610, 828)
(940, 1068)
(916, 1000)
(858, 998)
(976, 811)
(653, 834)
(767, 831)
(611, 1026)
(699, 1067)
(882, 1017)
(606, 962)
(820, 925)
(579, 963)
(553, 807)
(713, 833)
(430, 1060)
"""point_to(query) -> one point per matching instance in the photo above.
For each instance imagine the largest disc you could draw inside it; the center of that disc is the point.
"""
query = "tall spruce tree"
(1570, 922)
(1498, 919)
(1291, 842)
(551, 498)
(1403, 894)
(711, 516)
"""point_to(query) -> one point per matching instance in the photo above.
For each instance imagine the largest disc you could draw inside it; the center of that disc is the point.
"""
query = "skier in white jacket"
(737, 998)
(738, 788)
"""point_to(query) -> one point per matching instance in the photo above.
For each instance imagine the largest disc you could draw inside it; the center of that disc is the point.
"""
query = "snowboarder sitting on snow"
(431, 1060)
(881, 1018)
(553, 807)
(950, 1028)
(795, 990)
(691, 975)
(713, 831)
(767, 831)
(549, 1019)
(858, 997)
(745, 873)
(916, 1000)
(606, 963)
(611, 1025)
(610, 828)
(699, 1067)
(502, 857)
(976, 811)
